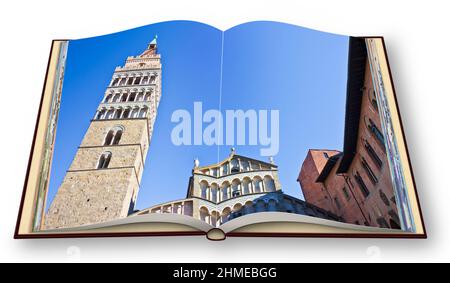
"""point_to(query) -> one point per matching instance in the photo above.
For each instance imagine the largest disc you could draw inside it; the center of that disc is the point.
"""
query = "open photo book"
(179, 128)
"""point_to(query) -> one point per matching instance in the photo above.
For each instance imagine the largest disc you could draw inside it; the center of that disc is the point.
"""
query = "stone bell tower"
(103, 180)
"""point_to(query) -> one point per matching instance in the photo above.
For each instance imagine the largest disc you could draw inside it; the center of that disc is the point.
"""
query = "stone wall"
(88, 197)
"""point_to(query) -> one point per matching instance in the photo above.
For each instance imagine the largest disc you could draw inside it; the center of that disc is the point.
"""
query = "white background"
(417, 38)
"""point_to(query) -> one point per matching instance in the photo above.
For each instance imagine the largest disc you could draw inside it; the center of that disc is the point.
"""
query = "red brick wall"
(377, 208)
(373, 205)
(314, 192)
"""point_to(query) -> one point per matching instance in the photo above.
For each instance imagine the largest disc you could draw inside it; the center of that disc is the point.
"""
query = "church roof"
(151, 48)
(230, 157)
(153, 42)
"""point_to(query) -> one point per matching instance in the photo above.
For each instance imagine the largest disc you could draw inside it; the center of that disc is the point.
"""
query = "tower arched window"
(108, 98)
(117, 137)
(147, 96)
(140, 96)
(113, 136)
(130, 80)
(126, 113)
(100, 114)
(116, 97)
(204, 190)
(104, 160)
(143, 112)
(115, 82)
(118, 114)
(110, 114)
(135, 113)
(132, 97)
(109, 137)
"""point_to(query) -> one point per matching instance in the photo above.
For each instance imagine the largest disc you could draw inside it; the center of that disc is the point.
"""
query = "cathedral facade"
(234, 187)
(103, 180)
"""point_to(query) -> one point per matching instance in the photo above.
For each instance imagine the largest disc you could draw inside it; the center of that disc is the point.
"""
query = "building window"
(114, 135)
(104, 160)
(225, 169)
(269, 184)
(393, 200)
(245, 165)
(100, 114)
(373, 155)
(369, 171)
(234, 166)
(115, 82)
(362, 186)
(126, 113)
(108, 98)
(373, 98)
(130, 81)
(384, 198)
(214, 191)
(376, 132)
(147, 96)
(143, 112)
(235, 188)
(109, 137)
(346, 194)
(116, 98)
(132, 97)
(338, 204)
(117, 137)
(118, 114)
(257, 185)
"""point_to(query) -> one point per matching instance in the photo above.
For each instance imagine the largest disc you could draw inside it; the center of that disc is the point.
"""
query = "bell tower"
(103, 180)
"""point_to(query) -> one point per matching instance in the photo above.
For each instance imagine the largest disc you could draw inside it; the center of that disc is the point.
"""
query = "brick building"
(354, 184)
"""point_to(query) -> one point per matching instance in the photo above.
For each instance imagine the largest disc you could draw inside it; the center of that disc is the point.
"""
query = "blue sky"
(266, 65)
